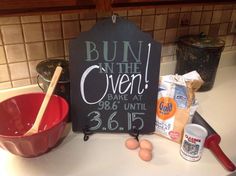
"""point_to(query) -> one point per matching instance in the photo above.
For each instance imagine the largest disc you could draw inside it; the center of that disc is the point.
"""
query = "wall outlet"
(233, 27)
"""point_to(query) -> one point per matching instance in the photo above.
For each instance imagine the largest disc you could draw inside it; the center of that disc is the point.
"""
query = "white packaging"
(174, 103)
(193, 142)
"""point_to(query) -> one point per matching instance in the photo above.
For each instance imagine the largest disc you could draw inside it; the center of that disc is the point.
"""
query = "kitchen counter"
(105, 154)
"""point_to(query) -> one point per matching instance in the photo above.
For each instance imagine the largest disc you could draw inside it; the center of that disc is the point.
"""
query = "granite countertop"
(105, 154)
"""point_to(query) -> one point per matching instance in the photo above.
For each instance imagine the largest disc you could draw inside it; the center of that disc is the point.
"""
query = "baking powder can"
(193, 142)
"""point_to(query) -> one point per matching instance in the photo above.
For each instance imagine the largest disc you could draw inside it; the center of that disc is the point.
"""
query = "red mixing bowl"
(17, 115)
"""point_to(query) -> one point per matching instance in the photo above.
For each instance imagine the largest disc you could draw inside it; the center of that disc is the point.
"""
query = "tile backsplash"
(27, 40)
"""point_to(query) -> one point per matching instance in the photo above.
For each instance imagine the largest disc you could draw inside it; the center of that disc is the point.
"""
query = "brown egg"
(145, 144)
(131, 143)
(145, 154)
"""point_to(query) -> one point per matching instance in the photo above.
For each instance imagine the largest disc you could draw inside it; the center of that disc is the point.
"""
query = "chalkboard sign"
(114, 74)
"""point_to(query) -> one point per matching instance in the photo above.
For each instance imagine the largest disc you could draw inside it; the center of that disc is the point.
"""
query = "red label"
(174, 135)
(192, 139)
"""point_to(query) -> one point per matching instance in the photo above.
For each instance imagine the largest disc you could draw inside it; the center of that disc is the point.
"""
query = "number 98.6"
(107, 105)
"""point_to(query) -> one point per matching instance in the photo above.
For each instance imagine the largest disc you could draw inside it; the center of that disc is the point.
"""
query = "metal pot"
(45, 70)
(200, 53)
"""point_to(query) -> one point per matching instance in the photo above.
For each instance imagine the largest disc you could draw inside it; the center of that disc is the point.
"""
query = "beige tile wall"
(27, 40)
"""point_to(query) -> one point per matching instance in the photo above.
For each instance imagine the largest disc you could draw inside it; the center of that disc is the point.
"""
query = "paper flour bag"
(175, 97)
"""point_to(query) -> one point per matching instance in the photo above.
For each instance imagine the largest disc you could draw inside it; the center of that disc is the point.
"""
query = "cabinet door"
(144, 1)
(24, 4)
(28, 6)
(127, 3)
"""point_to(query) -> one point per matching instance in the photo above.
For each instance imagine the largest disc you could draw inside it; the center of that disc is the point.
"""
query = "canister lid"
(46, 69)
(202, 41)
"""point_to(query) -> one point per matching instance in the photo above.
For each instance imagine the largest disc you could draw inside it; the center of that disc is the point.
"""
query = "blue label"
(181, 96)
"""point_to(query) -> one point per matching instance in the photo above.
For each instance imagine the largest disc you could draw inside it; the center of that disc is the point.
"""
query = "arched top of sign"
(114, 72)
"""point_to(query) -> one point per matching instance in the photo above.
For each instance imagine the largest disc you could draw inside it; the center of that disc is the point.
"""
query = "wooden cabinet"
(8, 7)
(31, 6)
(137, 3)
(34, 4)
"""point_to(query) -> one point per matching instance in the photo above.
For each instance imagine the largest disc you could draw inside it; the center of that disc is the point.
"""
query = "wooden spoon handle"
(52, 85)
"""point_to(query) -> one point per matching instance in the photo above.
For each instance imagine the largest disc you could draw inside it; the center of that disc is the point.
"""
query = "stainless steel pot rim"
(47, 80)
(46, 69)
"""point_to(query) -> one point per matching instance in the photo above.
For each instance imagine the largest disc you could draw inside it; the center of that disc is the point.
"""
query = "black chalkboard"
(114, 74)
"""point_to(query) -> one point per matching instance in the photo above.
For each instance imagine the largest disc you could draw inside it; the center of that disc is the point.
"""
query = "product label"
(181, 96)
(166, 107)
(174, 135)
(165, 126)
(191, 148)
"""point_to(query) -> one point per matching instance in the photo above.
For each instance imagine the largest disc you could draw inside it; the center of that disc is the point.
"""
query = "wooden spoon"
(52, 85)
